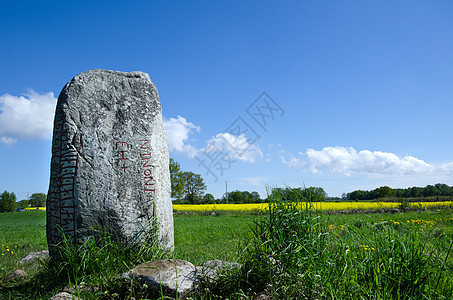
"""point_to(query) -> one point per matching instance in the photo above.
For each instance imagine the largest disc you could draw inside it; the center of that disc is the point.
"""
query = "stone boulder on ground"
(109, 165)
(211, 269)
(16, 274)
(176, 277)
(34, 256)
(64, 296)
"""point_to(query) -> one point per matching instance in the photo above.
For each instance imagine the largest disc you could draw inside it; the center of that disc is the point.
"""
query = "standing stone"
(110, 163)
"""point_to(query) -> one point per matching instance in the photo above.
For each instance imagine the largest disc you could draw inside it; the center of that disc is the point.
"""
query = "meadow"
(288, 252)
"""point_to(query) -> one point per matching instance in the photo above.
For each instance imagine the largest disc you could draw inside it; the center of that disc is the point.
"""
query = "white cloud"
(178, 131)
(236, 147)
(26, 117)
(447, 168)
(293, 162)
(342, 160)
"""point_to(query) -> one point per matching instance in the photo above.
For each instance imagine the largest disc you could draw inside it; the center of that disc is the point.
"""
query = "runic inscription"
(122, 149)
(148, 181)
(65, 158)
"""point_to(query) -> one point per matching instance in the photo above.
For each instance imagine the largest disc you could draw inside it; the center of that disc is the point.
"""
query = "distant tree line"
(436, 190)
(242, 197)
(8, 201)
(35, 200)
(314, 194)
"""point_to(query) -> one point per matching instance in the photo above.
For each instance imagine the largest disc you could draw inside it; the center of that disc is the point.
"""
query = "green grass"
(22, 233)
(200, 238)
(290, 254)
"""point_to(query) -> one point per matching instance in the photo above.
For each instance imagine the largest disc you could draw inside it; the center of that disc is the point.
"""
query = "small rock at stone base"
(16, 274)
(262, 297)
(64, 296)
(81, 288)
(210, 269)
(177, 277)
(34, 256)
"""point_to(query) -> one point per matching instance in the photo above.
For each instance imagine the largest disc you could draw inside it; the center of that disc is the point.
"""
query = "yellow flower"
(366, 247)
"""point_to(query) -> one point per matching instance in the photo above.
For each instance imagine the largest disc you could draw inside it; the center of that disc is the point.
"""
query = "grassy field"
(20, 234)
(200, 238)
(290, 254)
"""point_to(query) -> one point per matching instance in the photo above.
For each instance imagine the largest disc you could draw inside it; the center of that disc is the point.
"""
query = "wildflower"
(366, 247)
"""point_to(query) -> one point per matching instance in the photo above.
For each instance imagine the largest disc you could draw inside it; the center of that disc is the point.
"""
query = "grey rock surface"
(16, 274)
(211, 269)
(34, 256)
(177, 277)
(110, 162)
(64, 296)
(81, 288)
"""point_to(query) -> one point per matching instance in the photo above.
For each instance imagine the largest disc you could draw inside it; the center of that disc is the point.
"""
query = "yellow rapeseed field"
(315, 205)
(35, 208)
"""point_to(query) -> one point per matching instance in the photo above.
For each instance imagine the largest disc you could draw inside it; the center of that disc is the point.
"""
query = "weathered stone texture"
(34, 257)
(64, 296)
(109, 166)
(176, 277)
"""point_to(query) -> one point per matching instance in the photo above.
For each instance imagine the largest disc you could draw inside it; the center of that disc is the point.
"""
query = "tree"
(194, 187)
(315, 194)
(385, 192)
(23, 203)
(416, 192)
(256, 197)
(177, 183)
(357, 195)
(37, 200)
(7, 201)
(443, 189)
(208, 199)
(430, 191)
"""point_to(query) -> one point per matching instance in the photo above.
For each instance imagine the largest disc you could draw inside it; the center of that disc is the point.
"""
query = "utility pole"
(226, 191)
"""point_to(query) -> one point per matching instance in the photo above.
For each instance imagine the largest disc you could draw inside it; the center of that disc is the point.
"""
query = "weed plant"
(295, 254)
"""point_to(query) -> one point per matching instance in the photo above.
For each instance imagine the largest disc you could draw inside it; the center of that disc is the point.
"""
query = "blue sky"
(354, 94)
